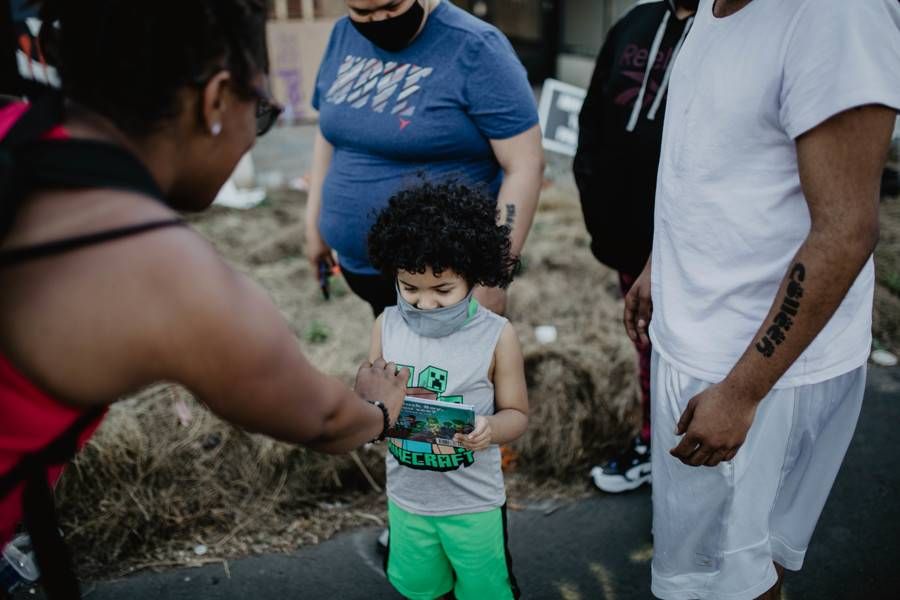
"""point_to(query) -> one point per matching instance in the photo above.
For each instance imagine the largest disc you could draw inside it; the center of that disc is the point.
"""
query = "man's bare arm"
(840, 164)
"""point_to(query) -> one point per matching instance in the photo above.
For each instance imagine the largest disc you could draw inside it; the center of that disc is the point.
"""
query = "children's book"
(433, 421)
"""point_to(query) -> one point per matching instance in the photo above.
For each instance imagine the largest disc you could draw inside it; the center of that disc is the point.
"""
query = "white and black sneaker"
(626, 471)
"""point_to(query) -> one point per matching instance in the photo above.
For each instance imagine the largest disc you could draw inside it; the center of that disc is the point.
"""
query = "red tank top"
(31, 418)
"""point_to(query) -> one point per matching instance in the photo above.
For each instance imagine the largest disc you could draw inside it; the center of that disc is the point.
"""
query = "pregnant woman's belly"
(357, 186)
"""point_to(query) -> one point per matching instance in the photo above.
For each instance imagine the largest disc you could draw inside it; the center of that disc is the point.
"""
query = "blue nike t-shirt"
(428, 110)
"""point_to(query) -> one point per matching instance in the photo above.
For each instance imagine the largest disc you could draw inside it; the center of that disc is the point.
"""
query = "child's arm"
(510, 397)
(375, 344)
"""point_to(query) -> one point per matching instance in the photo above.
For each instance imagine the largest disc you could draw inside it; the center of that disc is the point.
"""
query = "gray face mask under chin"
(437, 322)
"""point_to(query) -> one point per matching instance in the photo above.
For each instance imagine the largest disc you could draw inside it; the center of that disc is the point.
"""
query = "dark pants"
(625, 282)
(379, 291)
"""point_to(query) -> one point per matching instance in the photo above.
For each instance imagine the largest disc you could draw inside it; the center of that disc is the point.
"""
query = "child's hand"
(480, 438)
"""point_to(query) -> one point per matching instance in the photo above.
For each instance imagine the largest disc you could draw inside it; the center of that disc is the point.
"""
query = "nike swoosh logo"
(637, 472)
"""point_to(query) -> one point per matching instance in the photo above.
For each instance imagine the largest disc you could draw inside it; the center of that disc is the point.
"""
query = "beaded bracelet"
(387, 419)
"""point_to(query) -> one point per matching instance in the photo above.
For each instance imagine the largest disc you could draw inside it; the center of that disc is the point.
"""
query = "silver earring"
(216, 129)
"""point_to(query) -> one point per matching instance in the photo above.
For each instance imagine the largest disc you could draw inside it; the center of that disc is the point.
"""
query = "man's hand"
(492, 298)
(480, 438)
(715, 425)
(639, 309)
(382, 381)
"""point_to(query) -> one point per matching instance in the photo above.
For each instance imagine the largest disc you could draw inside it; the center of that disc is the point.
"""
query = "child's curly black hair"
(443, 226)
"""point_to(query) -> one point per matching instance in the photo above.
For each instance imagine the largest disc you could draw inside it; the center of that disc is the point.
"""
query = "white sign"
(558, 110)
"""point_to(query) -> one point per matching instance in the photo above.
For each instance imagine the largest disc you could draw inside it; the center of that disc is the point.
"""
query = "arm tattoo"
(784, 320)
(510, 215)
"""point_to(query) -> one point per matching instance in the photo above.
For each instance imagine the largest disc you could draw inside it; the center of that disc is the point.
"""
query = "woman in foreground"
(105, 291)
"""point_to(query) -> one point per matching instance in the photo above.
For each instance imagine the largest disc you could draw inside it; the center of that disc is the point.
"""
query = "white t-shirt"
(730, 212)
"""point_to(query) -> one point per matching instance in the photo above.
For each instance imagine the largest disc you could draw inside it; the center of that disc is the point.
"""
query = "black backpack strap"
(39, 118)
(28, 162)
(65, 163)
(53, 558)
(83, 164)
(42, 115)
(39, 511)
(58, 451)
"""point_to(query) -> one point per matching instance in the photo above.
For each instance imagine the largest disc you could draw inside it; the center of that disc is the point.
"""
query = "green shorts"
(430, 556)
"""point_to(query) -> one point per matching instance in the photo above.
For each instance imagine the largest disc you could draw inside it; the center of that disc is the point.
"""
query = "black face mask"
(396, 33)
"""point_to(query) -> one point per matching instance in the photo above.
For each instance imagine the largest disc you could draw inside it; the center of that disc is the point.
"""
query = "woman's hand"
(492, 298)
(383, 381)
(317, 251)
(480, 438)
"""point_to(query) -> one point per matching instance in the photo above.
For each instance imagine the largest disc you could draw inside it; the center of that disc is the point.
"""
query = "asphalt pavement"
(597, 548)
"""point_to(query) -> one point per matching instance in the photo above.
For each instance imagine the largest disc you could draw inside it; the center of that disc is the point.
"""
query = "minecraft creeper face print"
(434, 379)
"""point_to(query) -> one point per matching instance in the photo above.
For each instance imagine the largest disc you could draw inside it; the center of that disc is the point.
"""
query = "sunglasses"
(267, 111)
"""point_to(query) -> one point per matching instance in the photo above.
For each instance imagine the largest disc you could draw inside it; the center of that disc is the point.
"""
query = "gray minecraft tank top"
(429, 479)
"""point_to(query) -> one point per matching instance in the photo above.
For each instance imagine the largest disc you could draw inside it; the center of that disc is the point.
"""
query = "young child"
(446, 505)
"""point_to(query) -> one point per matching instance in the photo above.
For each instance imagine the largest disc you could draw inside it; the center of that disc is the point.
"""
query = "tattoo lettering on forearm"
(784, 320)
(510, 215)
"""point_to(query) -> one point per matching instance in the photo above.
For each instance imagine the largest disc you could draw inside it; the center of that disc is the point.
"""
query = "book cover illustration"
(433, 422)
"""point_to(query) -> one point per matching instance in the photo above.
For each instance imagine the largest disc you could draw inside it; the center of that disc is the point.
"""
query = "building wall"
(585, 23)
(518, 19)
(330, 9)
(294, 9)
(582, 27)
(571, 45)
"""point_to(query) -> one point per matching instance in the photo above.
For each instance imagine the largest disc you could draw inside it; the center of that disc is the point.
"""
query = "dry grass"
(582, 409)
(148, 488)
(886, 317)
(582, 389)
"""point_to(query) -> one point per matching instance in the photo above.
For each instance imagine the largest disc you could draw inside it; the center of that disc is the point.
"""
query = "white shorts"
(717, 530)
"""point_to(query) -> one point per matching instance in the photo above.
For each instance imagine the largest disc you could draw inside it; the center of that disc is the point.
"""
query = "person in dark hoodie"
(621, 125)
